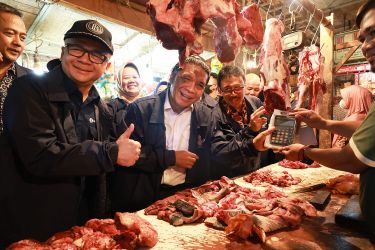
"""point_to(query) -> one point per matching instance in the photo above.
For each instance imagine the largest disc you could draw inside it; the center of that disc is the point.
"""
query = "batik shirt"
(240, 116)
(5, 84)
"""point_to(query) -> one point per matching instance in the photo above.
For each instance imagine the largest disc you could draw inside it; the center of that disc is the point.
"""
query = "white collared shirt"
(177, 136)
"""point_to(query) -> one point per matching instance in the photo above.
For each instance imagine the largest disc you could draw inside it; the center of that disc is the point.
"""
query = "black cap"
(91, 29)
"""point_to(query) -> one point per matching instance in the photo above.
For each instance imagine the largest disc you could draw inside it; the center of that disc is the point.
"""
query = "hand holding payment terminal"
(285, 129)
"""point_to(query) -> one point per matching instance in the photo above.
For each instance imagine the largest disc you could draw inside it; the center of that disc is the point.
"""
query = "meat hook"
(321, 20)
(311, 15)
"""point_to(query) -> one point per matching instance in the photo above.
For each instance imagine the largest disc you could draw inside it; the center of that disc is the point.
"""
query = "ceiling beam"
(115, 12)
(39, 19)
(318, 15)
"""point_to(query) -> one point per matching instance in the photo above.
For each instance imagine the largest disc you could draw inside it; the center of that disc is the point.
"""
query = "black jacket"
(232, 151)
(138, 186)
(21, 71)
(42, 162)
(208, 101)
(118, 107)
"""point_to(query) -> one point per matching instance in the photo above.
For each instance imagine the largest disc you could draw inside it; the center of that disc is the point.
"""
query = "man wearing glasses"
(236, 121)
(58, 128)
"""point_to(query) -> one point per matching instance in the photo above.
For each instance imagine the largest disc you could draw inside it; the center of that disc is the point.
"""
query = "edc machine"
(285, 129)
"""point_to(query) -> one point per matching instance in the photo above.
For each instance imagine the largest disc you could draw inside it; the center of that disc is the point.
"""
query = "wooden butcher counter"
(319, 232)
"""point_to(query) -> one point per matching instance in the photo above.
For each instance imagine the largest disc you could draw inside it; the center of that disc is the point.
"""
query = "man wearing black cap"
(359, 155)
(58, 128)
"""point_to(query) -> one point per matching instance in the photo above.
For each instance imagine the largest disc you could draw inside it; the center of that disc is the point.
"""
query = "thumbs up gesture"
(128, 149)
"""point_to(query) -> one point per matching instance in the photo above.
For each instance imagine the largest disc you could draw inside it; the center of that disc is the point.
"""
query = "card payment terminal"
(285, 129)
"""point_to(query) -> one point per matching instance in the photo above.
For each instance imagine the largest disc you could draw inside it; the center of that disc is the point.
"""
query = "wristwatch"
(304, 158)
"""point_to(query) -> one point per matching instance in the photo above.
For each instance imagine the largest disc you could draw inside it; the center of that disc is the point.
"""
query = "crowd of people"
(68, 156)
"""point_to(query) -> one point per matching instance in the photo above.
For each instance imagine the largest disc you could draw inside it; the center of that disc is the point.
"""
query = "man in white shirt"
(171, 127)
(177, 133)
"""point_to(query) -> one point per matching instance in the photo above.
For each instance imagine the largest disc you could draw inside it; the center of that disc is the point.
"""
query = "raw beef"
(222, 9)
(281, 179)
(178, 24)
(165, 18)
(147, 235)
(241, 211)
(344, 184)
(283, 213)
(250, 26)
(297, 164)
(29, 245)
(126, 231)
(311, 86)
(274, 68)
(227, 40)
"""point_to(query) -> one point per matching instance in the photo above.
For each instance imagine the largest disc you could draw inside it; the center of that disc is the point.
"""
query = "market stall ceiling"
(46, 24)
(344, 14)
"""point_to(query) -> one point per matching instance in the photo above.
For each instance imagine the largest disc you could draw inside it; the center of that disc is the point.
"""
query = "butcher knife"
(309, 188)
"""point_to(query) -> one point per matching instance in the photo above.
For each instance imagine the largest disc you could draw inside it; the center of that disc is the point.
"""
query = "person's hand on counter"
(259, 140)
(293, 152)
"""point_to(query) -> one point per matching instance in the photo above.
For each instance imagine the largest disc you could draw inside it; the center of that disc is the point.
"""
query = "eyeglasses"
(94, 56)
(235, 90)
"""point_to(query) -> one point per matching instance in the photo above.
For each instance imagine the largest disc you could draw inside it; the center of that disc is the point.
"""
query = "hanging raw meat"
(274, 68)
(311, 86)
(250, 26)
(178, 24)
(165, 18)
(227, 40)
(223, 9)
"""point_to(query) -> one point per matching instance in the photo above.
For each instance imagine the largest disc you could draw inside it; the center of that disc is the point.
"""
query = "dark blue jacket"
(43, 163)
(232, 150)
(136, 187)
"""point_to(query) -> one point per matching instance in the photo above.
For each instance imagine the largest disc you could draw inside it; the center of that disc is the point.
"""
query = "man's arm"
(344, 128)
(342, 159)
(314, 120)
(337, 158)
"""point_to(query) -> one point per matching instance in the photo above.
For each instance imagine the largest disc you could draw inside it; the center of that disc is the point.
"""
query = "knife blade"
(309, 188)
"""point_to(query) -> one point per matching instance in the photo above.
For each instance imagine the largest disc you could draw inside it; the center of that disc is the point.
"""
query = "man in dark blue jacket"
(171, 126)
(58, 128)
(235, 123)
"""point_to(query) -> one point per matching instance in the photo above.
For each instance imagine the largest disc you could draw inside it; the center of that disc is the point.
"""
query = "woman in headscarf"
(129, 87)
(357, 100)
(129, 84)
